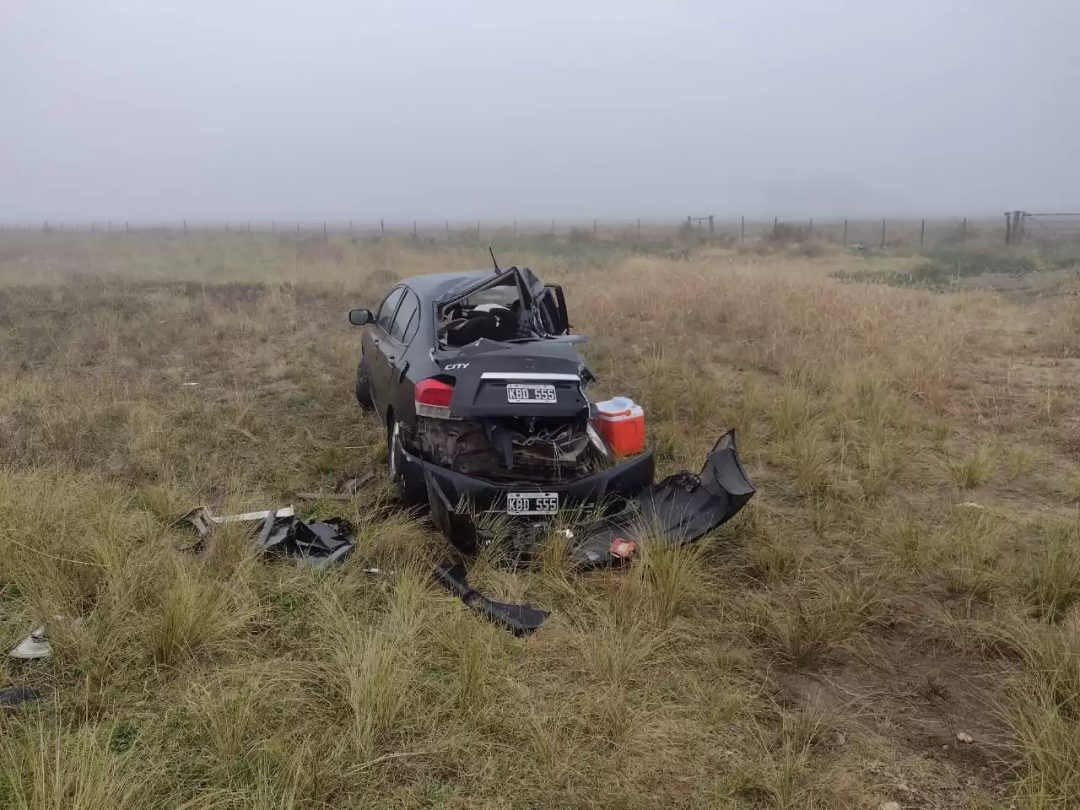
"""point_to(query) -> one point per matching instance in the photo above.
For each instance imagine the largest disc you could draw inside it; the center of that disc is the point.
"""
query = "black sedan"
(481, 388)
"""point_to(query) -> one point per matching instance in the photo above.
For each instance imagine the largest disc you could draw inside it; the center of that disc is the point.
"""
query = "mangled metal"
(478, 380)
(281, 534)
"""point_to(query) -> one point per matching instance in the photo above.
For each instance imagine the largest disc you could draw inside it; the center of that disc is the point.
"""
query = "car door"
(553, 310)
(374, 345)
(395, 348)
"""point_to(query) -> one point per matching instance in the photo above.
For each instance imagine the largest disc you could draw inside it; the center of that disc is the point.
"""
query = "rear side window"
(389, 306)
(407, 319)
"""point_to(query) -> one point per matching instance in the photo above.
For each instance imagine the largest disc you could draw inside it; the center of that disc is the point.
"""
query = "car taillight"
(432, 398)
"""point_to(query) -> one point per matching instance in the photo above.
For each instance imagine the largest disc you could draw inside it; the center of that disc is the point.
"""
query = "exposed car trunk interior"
(529, 449)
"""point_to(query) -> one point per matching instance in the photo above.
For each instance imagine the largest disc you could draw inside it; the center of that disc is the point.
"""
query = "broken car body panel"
(677, 510)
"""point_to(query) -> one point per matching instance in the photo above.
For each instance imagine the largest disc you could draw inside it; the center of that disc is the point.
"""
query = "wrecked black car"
(479, 383)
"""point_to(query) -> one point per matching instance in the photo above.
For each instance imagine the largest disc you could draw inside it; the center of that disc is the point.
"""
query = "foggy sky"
(248, 109)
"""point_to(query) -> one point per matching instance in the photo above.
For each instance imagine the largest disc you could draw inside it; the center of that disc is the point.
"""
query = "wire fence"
(869, 234)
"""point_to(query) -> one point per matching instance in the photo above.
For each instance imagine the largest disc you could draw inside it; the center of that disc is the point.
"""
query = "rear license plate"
(532, 503)
(530, 394)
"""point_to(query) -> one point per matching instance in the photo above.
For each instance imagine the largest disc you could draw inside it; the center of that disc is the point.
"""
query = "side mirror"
(359, 317)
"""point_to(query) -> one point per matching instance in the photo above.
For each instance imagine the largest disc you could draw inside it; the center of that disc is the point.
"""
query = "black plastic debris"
(282, 534)
(677, 510)
(518, 619)
(14, 695)
(317, 544)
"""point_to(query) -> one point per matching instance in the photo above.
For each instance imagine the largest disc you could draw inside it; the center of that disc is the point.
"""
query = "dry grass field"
(909, 570)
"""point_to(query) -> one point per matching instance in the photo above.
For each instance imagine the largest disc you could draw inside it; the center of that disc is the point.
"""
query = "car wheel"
(363, 386)
(412, 492)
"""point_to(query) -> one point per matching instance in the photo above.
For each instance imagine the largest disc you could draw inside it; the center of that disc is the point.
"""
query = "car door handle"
(376, 341)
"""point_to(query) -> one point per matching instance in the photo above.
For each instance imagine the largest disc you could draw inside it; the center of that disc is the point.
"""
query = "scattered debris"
(971, 505)
(281, 533)
(203, 521)
(35, 645)
(677, 510)
(518, 619)
(317, 544)
(14, 695)
(680, 508)
(964, 737)
(890, 806)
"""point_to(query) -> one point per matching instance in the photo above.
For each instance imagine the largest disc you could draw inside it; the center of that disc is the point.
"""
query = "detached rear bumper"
(455, 498)
(679, 509)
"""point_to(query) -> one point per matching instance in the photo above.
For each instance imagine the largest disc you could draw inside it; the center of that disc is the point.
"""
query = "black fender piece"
(679, 509)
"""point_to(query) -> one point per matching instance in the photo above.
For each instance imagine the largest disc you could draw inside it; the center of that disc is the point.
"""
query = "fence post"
(810, 228)
(963, 230)
(448, 230)
(922, 233)
(477, 230)
(414, 230)
(1008, 228)
(710, 226)
(273, 226)
(249, 227)
(639, 228)
(297, 227)
(382, 229)
(742, 228)
(127, 226)
(594, 226)
(845, 234)
(775, 224)
(515, 229)
(552, 227)
(883, 234)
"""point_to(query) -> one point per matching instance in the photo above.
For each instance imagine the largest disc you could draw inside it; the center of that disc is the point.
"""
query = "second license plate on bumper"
(532, 503)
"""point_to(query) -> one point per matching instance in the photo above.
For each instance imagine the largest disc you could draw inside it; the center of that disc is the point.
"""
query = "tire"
(411, 492)
(363, 386)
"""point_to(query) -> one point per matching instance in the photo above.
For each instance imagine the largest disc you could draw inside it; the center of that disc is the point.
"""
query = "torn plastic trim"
(677, 510)
(518, 619)
(281, 533)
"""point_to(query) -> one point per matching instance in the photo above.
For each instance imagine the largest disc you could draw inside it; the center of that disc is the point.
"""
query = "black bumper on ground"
(455, 499)
(679, 509)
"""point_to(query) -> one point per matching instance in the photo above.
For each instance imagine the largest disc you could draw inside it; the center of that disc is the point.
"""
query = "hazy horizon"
(284, 110)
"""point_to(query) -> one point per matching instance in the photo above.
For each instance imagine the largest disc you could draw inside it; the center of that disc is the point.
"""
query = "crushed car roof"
(444, 285)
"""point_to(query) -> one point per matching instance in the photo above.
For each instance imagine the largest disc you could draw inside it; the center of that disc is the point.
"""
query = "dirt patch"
(918, 696)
